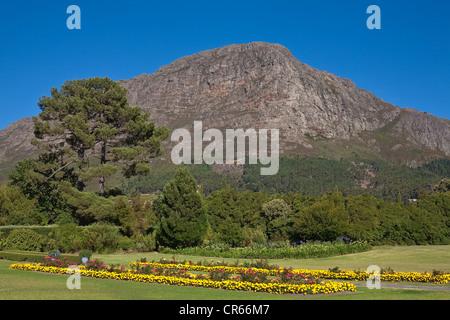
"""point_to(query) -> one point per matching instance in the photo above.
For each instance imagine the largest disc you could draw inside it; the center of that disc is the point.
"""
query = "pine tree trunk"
(80, 183)
(101, 186)
(101, 180)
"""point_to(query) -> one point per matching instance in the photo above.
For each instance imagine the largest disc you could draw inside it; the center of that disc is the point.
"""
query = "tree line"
(181, 216)
(312, 176)
(243, 218)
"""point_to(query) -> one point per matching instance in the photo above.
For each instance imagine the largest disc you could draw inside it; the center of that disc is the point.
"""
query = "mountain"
(263, 86)
(15, 146)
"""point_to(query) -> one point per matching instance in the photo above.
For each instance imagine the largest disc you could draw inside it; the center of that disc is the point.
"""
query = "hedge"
(42, 230)
(31, 256)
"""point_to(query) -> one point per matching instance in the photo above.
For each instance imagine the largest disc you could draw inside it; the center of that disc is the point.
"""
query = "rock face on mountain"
(263, 86)
(16, 139)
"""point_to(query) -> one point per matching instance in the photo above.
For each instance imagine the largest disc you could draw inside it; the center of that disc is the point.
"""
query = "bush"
(230, 232)
(2, 243)
(25, 239)
(97, 237)
(70, 238)
(16, 209)
(59, 263)
(95, 265)
(276, 213)
(253, 236)
(42, 230)
(145, 243)
(325, 220)
(85, 254)
(126, 244)
(103, 238)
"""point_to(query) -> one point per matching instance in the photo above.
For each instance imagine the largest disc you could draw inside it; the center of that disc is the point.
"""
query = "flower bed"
(390, 276)
(274, 287)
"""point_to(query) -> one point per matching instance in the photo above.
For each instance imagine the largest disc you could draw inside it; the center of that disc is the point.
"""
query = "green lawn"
(401, 258)
(19, 285)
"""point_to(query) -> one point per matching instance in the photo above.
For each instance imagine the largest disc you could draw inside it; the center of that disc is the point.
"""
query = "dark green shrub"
(325, 220)
(16, 209)
(69, 238)
(42, 230)
(126, 244)
(231, 233)
(253, 236)
(145, 243)
(2, 243)
(103, 237)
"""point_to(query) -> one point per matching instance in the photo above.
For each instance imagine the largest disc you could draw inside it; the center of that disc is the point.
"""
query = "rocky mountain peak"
(262, 85)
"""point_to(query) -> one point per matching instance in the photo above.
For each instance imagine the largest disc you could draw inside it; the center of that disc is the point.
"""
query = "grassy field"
(21, 285)
(401, 258)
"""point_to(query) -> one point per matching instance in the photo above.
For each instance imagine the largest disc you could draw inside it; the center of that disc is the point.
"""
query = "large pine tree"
(91, 118)
(181, 212)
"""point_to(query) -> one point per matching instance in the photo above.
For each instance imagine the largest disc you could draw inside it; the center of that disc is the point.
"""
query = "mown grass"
(399, 258)
(26, 285)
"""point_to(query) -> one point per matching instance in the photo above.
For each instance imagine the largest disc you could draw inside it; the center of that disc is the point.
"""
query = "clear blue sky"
(406, 63)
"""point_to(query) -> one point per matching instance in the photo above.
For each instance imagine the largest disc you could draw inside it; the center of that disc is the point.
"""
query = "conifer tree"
(181, 213)
(92, 118)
